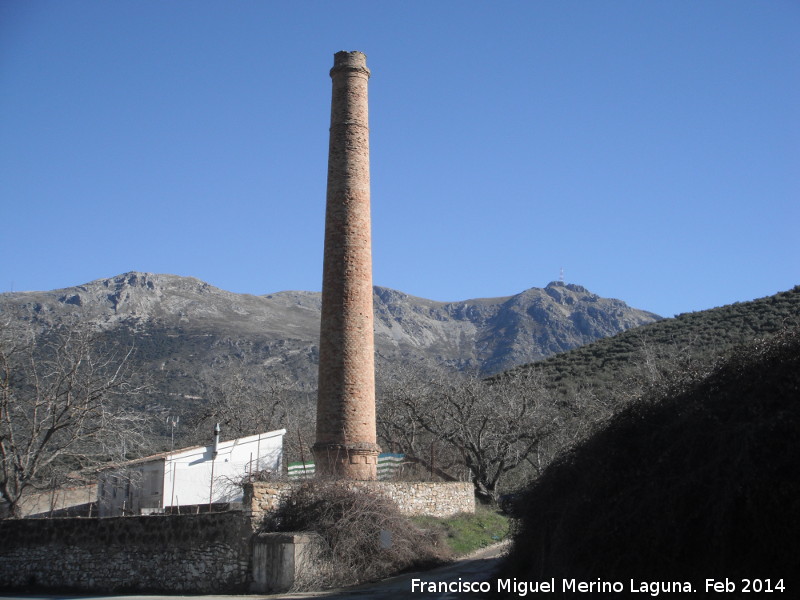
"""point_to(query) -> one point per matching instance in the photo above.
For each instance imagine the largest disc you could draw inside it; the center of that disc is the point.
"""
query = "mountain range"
(181, 324)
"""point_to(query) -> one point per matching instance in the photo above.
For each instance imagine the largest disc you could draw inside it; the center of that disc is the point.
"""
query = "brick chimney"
(346, 434)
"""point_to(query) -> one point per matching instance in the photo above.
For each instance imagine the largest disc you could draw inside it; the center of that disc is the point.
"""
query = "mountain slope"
(181, 324)
(697, 336)
(696, 482)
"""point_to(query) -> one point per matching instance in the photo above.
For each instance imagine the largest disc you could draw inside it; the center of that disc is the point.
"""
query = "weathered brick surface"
(346, 437)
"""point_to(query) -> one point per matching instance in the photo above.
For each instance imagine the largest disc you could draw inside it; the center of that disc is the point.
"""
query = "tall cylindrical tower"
(346, 439)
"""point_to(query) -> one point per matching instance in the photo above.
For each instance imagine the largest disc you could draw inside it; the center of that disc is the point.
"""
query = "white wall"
(188, 474)
(184, 477)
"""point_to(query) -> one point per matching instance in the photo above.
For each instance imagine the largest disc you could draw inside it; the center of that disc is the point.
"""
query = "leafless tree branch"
(60, 408)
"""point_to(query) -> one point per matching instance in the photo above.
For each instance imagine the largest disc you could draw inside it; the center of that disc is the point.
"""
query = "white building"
(188, 477)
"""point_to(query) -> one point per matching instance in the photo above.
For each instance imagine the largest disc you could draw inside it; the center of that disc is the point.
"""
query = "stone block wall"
(413, 498)
(261, 499)
(205, 553)
(438, 499)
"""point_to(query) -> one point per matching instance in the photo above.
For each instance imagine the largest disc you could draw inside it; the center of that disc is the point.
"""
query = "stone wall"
(438, 499)
(413, 498)
(205, 553)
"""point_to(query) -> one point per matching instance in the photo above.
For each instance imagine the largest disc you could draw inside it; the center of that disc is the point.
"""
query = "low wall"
(413, 498)
(64, 502)
(438, 499)
(205, 553)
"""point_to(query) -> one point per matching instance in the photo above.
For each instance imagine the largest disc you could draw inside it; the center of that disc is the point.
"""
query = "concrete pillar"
(346, 440)
(282, 559)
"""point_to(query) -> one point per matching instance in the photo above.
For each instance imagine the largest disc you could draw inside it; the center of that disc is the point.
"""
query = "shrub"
(365, 536)
(701, 484)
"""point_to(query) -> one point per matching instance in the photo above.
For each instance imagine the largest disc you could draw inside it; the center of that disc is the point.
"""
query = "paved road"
(476, 568)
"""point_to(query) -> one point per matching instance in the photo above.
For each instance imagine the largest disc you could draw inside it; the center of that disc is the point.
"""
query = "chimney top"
(350, 61)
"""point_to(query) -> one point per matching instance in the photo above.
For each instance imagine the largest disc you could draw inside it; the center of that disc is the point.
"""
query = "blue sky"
(651, 149)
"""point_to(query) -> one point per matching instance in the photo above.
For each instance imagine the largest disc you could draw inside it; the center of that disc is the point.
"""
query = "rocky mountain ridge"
(179, 323)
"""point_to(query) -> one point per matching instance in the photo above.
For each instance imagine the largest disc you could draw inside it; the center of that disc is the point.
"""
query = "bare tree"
(300, 423)
(60, 408)
(660, 368)
(244, 399)
(403, 390)
(574, 419)
(493, 425)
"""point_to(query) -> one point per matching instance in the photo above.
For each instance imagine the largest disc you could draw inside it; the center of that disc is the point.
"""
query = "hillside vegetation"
(697, 480)
(590, 384)
(697, 337)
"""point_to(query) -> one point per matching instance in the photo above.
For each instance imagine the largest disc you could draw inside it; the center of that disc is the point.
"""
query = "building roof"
(163, 456)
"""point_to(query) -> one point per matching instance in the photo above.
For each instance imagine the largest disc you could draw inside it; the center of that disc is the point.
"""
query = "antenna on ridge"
(561, 277)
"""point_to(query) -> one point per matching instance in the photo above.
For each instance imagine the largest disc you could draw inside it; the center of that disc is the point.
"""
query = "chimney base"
(347, 461)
